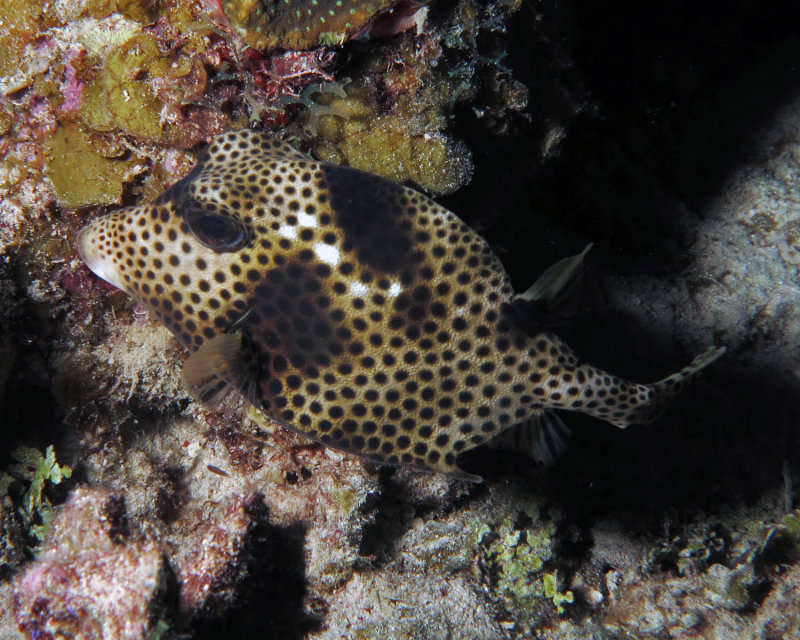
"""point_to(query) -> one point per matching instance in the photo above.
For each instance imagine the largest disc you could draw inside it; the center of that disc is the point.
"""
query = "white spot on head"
(358, 289)
(394, 290)
(306, 220)
(288, 232)
(327, 253)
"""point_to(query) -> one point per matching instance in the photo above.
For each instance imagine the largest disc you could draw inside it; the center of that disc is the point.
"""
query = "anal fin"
(544, 438)
(225, 363)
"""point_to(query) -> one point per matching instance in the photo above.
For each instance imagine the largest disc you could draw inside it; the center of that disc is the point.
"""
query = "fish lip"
(97, 263)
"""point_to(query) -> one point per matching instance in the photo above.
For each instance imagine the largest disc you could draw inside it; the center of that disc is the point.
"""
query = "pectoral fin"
(225, 363)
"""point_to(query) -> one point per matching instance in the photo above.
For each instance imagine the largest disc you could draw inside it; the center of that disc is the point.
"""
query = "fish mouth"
(97, 261)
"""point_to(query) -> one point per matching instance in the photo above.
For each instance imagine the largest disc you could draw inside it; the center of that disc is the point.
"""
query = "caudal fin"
(661, 392)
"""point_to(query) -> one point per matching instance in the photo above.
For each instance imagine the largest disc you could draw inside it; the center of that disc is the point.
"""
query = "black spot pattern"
(381, 323)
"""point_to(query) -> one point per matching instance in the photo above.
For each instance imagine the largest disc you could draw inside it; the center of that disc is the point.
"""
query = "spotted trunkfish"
(354, 310)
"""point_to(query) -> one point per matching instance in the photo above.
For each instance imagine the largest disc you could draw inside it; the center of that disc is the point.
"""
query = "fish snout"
(97, 256)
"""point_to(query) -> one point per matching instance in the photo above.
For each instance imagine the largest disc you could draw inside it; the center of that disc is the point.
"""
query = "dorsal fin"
(555, 281)
(552, 299)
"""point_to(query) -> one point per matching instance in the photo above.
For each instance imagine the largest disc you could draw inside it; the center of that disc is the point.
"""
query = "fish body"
(352, 309)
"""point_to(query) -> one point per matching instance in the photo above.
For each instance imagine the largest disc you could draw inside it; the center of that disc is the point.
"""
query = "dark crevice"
(269, 601)
(391, 512)
(390, 519)
(659, 104)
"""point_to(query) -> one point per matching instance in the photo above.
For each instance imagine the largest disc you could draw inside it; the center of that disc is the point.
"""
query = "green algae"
(729, 588)
(779, 543)
(792, 523)
(550, 586)
(331, 39)
(346, 498)
(34, 471)
(161, 630)
(516, 551)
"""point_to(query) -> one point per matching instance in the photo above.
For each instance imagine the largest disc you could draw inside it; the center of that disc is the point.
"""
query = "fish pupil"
(213, 230)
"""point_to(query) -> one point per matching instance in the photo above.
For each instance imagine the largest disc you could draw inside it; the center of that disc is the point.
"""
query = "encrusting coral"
(405, 141)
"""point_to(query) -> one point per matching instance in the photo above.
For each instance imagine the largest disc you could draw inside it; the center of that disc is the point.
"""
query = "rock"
(93, 581)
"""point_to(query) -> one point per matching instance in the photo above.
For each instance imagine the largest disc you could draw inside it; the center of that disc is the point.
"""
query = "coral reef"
(716, 598)
(99, 85)
(120, 88)
(547, 134)
(427, 552)
(208, 571)
(392, 117)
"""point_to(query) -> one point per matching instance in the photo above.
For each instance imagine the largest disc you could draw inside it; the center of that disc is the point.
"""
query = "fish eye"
(213, 230)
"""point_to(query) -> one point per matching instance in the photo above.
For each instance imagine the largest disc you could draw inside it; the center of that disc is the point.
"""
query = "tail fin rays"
(664, 390)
